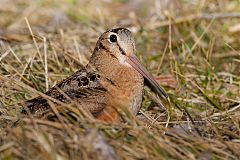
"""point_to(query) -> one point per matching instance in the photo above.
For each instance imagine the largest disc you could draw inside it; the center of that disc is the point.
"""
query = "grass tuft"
(192, 47)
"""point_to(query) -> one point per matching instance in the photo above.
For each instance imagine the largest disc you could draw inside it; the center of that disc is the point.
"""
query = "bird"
(113, 78)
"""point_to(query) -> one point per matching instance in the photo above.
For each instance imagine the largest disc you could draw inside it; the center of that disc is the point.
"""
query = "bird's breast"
(126, 89)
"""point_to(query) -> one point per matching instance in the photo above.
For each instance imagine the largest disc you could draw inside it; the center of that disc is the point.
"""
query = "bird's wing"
(82, 87)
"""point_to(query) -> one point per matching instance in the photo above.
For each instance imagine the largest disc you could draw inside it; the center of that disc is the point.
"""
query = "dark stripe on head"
(101, 46)
(121, 50)
(116, 30)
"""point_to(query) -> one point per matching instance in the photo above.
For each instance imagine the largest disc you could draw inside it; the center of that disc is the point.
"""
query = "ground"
(191, 46)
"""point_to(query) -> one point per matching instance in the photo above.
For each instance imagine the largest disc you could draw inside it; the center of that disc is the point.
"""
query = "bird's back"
(82, 87)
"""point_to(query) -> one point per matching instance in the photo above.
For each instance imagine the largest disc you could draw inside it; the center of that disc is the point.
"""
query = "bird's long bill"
(135, 63)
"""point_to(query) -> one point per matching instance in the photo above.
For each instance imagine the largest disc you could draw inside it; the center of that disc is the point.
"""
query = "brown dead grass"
(193, 45)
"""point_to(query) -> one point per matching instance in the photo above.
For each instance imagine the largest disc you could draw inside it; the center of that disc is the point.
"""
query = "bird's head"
(120, 44)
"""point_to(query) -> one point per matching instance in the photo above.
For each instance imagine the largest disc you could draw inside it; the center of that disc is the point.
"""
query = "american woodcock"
(113, 78)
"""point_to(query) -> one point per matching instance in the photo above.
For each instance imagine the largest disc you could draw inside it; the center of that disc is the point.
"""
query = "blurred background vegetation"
(191, 46)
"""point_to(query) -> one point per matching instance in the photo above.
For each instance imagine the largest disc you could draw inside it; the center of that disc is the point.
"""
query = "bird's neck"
(109, 67)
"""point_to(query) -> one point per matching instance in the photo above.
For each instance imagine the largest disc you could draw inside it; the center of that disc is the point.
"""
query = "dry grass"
(192, 44)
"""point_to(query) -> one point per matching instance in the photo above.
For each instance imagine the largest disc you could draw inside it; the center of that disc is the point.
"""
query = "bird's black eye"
(113, 38)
